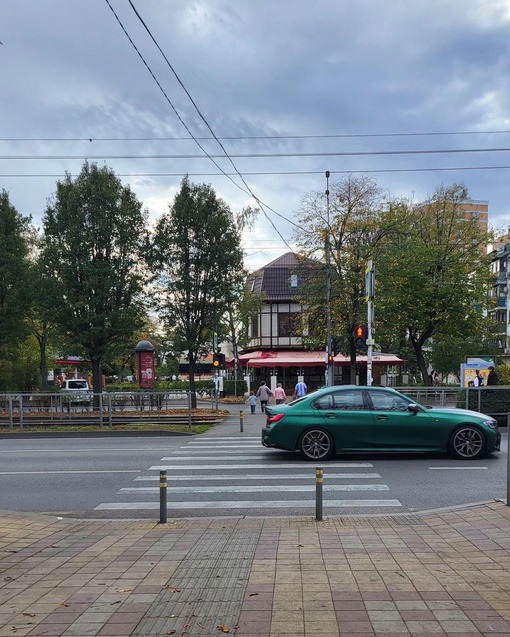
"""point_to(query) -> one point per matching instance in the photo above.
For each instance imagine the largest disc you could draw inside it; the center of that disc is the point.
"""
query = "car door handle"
(330, 415)
(382, 417)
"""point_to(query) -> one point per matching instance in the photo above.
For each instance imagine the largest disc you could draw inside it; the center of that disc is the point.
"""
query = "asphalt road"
(222, 475)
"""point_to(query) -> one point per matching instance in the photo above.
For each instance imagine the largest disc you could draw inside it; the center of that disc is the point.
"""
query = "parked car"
(78, 391)
(352, 418)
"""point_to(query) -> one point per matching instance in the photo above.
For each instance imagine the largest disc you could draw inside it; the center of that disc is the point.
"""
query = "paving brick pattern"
(443, 573)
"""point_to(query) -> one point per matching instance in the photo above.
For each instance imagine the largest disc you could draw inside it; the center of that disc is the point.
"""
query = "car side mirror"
(414, 408)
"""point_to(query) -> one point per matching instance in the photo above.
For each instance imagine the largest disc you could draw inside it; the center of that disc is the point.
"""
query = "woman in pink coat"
(279, 394)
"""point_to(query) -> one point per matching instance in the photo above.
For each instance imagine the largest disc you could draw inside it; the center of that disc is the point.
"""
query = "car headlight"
(492, 424)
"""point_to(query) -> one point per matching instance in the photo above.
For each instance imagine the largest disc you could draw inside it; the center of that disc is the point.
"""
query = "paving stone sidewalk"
(441, 573)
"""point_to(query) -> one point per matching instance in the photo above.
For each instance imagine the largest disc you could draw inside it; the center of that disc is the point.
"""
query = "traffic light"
(360, 337)
(222, 360)
(331, 358)
(216, 360)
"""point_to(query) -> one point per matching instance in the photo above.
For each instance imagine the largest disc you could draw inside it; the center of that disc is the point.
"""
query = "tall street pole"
(369, 292)
(330, 365)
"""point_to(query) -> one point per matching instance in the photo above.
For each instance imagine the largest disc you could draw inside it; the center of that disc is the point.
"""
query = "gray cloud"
(257, 68)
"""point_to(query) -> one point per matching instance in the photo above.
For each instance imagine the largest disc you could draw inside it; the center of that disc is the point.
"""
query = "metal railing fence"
(40, 408)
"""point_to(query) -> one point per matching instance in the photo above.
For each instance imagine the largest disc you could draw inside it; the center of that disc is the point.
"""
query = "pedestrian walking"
(300, 389)
(279, 394)
(263, 393)
(252, 400)
(492, 378)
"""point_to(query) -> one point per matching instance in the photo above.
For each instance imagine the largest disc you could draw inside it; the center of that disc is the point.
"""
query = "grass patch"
(175, 428)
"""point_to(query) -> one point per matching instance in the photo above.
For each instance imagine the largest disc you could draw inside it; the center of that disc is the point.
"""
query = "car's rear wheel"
(316, 444)
(467, 443)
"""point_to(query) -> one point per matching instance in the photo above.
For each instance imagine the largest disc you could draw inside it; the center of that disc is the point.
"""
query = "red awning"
(377, 359)
(288, 359)
(303, 358)
(75, 361)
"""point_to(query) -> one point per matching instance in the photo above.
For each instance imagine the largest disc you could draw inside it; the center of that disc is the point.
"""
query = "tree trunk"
(97, 380)
(191, 365)
(42, 338)
(422, 365)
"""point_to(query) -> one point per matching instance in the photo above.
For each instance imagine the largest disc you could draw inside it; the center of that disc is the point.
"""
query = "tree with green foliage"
(243, 305)
(433, 275)
(197, 254)
(42, 288)
(14, 248)
(344, 235)
(94, 244)
(448, 352)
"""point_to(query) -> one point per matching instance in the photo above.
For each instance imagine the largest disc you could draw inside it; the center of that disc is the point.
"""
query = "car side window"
(387, 401)
(348, 400)
(341, 401)
(323, 402)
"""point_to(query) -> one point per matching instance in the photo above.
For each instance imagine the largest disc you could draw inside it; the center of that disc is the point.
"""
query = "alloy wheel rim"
(316, 444)
(468, 442)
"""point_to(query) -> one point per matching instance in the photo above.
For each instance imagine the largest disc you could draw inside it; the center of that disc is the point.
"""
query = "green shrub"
(231, 388)
(493, 402)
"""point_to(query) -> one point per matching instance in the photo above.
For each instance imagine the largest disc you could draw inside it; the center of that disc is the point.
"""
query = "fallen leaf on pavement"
(29, 614)
(171, 589)
(171, 632)
(252, 594)
(124, 590)
(223, 628)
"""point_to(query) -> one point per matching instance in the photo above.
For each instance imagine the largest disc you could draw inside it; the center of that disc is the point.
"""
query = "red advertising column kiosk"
(145, 364)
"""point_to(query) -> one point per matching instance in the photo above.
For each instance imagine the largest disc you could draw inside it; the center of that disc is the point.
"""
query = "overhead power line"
(248, 189)
(363, 153)
(250, 137)
(285, 172)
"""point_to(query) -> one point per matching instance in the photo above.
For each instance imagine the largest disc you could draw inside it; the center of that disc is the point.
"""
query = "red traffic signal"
(360, 336)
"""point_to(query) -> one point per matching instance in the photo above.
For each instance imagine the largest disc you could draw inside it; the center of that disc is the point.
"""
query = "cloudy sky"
(292, 89)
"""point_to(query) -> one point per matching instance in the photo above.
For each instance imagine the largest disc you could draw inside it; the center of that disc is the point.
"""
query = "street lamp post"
(330, 366)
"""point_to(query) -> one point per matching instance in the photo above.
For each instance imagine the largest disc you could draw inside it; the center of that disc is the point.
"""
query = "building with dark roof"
(275, 352)
(277, 325)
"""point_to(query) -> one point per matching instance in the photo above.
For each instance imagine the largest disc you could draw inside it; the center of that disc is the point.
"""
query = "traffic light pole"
(369, 291)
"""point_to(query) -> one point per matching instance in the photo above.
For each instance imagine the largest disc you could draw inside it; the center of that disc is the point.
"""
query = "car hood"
(448, 411)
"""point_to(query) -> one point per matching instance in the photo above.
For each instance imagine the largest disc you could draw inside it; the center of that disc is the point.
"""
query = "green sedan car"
(351, 418)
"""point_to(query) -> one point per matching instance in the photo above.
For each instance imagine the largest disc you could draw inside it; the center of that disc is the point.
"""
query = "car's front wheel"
(467, 443)
(316, 444)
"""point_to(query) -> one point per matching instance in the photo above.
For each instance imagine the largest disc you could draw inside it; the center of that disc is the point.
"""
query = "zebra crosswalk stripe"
(263, 476)
(247, 504)
(291, 488)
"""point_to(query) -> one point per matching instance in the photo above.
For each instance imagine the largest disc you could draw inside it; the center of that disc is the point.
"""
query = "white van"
(78, 390)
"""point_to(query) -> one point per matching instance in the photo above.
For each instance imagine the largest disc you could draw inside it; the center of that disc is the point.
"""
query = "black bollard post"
(162, 498)
(241, 421)
(318, 493)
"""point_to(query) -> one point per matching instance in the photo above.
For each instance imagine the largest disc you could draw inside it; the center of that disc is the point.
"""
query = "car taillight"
(272, 419)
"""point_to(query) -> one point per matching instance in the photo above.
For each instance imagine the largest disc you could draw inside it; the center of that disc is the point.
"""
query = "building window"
(255, 326)
(287, 324)
(293, 280)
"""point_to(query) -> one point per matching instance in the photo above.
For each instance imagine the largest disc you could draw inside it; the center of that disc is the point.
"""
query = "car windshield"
(78, 384)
